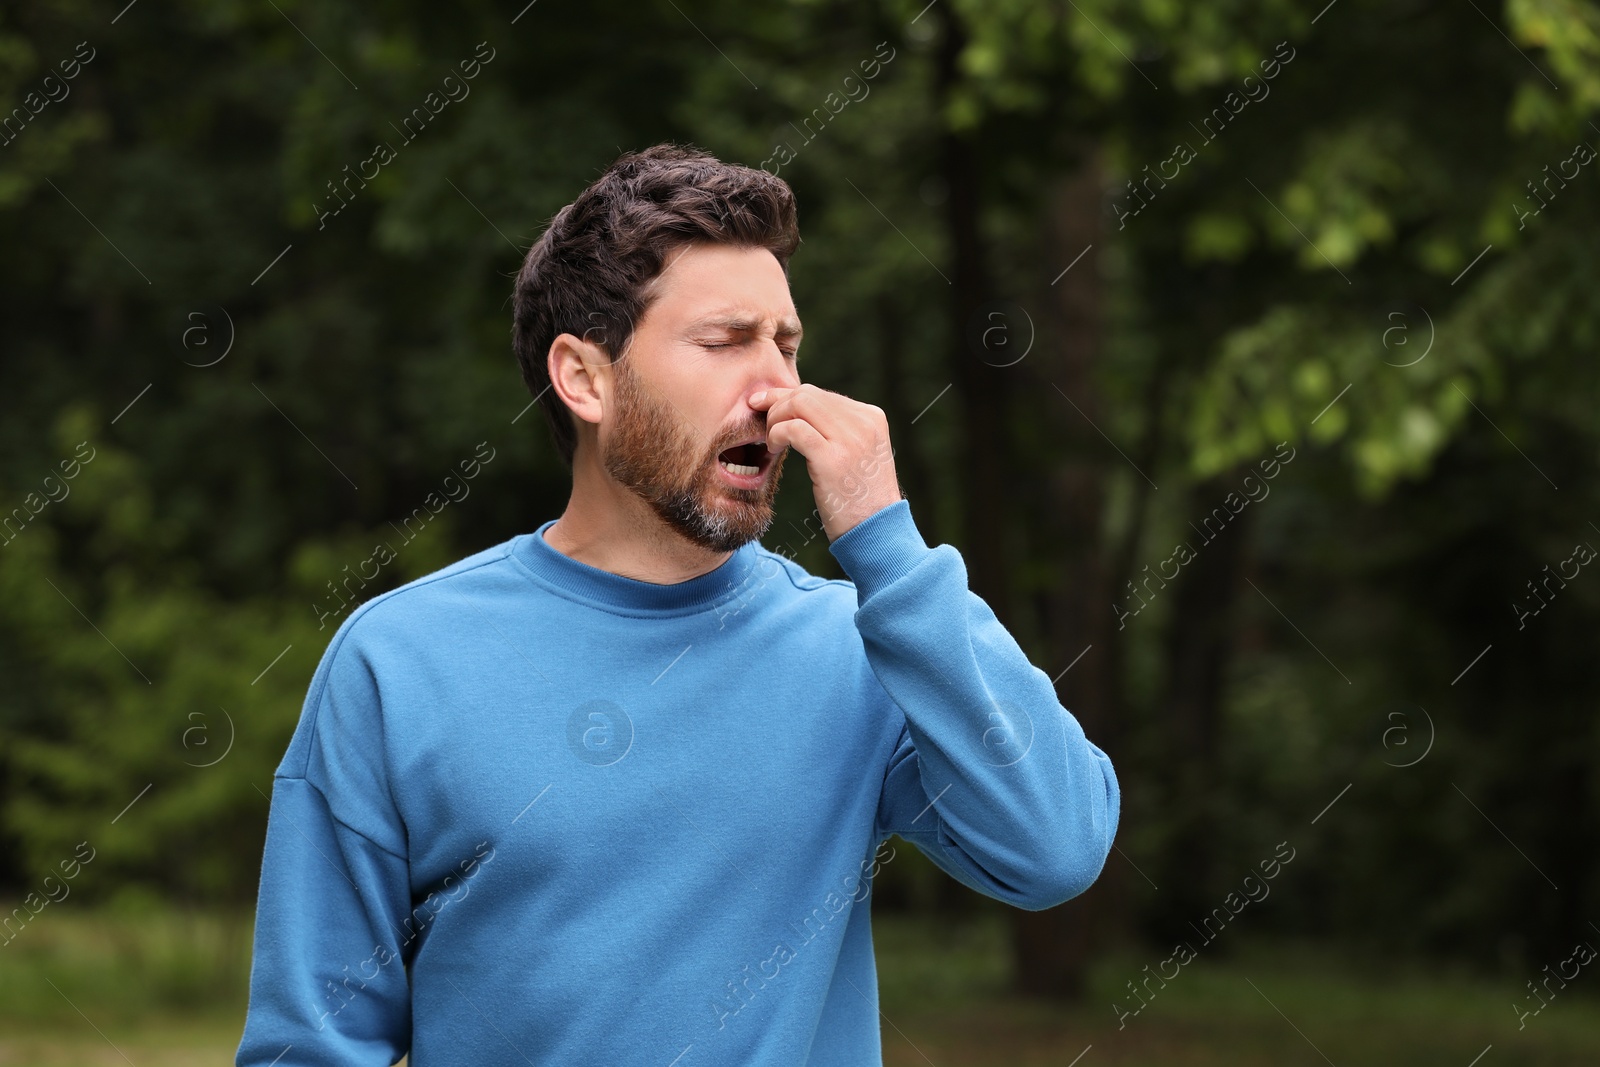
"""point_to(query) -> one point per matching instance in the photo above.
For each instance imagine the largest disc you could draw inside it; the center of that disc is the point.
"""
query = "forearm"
(995, 773)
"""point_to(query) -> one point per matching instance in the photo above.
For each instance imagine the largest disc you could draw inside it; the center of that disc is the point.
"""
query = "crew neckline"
(613, 592)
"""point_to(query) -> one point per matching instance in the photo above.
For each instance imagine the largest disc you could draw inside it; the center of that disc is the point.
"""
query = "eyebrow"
(744, 322)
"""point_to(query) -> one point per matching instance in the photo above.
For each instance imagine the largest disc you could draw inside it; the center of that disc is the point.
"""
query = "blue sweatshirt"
(536, 813)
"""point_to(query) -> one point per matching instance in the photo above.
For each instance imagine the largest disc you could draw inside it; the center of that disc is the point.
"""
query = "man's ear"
(580, 373)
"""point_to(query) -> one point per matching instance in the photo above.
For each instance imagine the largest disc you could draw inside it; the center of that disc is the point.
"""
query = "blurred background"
(1246, 350)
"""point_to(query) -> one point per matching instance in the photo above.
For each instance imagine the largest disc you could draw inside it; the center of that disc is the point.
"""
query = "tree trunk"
(1053, 948)
(986, 475)
(1197, 650)
(908, 462)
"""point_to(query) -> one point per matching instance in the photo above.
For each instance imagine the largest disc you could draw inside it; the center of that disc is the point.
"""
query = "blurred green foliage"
(1343, 269)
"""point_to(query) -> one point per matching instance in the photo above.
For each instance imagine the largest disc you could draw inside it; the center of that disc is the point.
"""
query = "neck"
(606, 526)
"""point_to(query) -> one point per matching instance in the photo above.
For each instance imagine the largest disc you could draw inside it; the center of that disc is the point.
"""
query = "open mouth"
(748, 462)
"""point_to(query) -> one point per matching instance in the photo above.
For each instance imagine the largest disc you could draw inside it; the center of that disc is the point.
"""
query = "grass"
(944, 1002)
(81, 988)
(157, 987)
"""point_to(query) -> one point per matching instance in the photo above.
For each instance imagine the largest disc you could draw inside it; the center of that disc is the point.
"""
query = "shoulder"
(791, 588)
(385, 639)
(423, 605)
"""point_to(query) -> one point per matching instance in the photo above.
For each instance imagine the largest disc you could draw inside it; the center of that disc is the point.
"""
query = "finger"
(809, 402)
(768, 397)
(797, 433)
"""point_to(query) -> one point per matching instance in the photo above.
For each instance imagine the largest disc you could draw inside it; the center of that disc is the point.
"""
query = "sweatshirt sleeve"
(328, 980)
(992, 779)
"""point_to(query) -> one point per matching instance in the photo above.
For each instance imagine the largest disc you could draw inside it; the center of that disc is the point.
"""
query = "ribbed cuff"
(880, 549)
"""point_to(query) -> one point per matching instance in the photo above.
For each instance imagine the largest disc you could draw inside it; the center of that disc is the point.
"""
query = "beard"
(652, 453)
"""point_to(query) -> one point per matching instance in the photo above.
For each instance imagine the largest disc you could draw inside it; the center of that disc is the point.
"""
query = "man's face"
(722, 326)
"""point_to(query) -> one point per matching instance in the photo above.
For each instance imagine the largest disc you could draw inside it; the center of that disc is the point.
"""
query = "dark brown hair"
(590, 272)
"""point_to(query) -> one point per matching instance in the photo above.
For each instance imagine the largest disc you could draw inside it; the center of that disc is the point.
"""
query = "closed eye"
(789, 353)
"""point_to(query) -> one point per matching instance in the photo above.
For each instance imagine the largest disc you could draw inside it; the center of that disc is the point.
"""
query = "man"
(612, 792)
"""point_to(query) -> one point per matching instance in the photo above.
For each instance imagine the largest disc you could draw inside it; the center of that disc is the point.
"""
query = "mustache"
(744, 433)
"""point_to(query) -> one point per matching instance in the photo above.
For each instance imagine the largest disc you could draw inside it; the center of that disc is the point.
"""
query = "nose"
(775, 371)
(779, 370)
